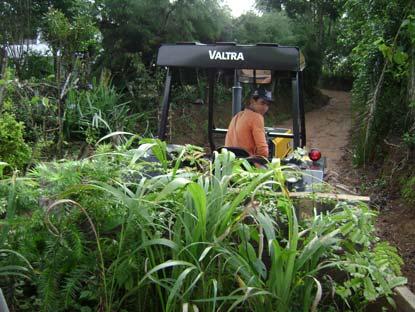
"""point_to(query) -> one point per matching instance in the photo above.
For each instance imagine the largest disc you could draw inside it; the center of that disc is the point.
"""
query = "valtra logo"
(226, 56)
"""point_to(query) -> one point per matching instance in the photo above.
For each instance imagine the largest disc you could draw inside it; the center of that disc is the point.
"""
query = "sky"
(239, 7)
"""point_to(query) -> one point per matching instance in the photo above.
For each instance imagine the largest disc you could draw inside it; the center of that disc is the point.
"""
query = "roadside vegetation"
(90, 222)
(119, 232)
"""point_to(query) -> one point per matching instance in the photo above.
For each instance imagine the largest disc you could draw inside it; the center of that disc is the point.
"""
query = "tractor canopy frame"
(219, 56)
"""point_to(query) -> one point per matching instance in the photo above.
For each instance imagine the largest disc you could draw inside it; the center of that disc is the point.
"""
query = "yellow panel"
(283, 146)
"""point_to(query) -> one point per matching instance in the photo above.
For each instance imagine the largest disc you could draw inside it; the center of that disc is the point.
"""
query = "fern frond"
(48, 288)
(73, 284)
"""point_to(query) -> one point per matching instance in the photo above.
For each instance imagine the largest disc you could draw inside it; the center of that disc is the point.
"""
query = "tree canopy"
(370, 43)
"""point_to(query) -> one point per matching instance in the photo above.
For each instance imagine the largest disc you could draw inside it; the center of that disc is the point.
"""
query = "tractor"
(250, 65)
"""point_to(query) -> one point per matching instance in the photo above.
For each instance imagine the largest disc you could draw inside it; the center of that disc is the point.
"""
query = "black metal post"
(295, 110)
(165, 107)
(210, 108)
(302, 111)
(236, 95)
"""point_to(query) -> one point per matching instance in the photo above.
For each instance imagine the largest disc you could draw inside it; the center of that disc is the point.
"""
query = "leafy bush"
(408, 190)
(13, 149)
(381, 61)
(38, 66)
(409, 139)
(97, 111)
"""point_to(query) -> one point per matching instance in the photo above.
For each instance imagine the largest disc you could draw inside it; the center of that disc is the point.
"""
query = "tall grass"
(195, 238)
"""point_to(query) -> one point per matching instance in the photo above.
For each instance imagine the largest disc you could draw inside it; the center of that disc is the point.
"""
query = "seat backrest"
(238, 151)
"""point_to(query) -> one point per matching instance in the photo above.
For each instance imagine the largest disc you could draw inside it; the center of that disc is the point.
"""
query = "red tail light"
(314, 154)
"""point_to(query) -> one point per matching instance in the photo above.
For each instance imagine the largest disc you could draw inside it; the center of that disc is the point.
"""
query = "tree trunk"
(411, 87)
(372, 103)
(330, 26)
(57, 62)
(3, 69)
(320, 17)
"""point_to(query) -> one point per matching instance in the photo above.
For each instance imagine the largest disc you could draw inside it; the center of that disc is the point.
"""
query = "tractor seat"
(238, 151)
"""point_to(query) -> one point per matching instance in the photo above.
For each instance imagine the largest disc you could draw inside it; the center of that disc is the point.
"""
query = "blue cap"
(263, 94)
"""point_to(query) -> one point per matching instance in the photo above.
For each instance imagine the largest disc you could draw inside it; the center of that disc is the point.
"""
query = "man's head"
(260, 100)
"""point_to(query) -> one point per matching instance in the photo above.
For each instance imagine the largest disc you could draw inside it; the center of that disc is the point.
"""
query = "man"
(246, 129)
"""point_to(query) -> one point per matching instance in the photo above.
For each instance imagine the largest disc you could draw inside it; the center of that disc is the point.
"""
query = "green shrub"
(13, 149)
(408, 190)
(97, 111)
(409, 139)
(109, 233)
(37, 66)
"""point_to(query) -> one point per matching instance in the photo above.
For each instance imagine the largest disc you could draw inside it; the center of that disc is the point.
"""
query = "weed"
(107, 235)
(408, 190)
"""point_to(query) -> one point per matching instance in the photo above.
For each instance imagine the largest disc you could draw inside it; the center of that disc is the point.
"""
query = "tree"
(140, 26)
(322, 13)
(22, 20)
(313, 23)
(19, 23)
(270, 27)
(70, 41)
(380, 36)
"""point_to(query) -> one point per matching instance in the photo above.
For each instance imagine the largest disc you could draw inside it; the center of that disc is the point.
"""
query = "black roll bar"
(165, 107)
(295, 110)
(211, 78)
(302, 112)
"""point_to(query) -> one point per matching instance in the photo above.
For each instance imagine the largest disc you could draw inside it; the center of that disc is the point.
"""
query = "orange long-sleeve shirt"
(246, 130)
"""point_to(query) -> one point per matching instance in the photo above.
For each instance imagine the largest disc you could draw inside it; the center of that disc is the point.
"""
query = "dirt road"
(328, 127)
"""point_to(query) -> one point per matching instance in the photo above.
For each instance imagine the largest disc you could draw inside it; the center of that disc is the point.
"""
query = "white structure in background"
(29, 46)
